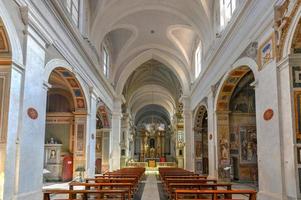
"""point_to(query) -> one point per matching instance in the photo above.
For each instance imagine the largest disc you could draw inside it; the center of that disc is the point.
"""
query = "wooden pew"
(213, 193)
(120, 193)
(129, 187)
(196, 186)
(169, 181)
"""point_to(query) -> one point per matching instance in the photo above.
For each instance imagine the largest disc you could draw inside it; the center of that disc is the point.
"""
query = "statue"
(152, 152)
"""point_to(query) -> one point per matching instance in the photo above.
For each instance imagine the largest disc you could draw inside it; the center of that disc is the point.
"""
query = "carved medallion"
(268, 114)
(32, 113)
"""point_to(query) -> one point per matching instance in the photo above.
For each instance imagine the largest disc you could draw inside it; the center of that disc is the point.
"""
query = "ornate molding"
(284, 13)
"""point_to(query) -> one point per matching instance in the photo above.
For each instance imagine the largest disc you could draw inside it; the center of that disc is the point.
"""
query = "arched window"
(72, 7)
(106, 61)
(227, 8)
(198, 61)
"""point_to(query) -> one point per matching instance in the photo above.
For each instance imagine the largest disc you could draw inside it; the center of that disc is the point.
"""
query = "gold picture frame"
(266, 52)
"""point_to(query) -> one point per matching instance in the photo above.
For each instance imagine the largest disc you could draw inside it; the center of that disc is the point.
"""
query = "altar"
(152, 163)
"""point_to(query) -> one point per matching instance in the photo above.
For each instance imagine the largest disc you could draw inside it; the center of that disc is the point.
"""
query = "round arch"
(201, 140)
(144, 57)
(15, 45)
(236, 124)
(246, 64)
(65, 68)
(104, 114)
(287, 36)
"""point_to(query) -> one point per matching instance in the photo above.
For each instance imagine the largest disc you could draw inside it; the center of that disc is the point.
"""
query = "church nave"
(150, 99)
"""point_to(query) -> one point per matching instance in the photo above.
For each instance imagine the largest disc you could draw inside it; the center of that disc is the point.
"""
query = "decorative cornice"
(283, 21)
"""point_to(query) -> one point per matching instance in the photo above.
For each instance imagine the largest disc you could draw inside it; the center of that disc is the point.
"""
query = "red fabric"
(98, 166)
(67, 172)
(162, 159)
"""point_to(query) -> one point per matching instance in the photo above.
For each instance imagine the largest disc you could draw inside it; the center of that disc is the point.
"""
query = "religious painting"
(198, 149)
(299, 155)
(98, 144)
(80, 137)
(52, 154)
(243, 97)
(297, 98)
(299, 172)
(296, 74)
(77, 92)
(224, 149)
(234, 141)
(198, 166)
(3, 42)
(73, 83)
(266, 52)
(80, 103)
(248, 144)
(2, 88)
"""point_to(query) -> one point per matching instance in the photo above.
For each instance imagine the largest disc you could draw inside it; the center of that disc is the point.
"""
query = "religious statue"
(224, 149)
(146, 147)
(152, 152)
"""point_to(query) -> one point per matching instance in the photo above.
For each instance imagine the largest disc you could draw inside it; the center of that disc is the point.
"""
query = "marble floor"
(151, 191)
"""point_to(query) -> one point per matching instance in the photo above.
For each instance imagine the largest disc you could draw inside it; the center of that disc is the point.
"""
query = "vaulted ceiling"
(161, 33)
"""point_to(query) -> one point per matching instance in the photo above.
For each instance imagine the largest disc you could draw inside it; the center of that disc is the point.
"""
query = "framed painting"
(297, 108)
(266, 52)
(299, 155)
(248, 144)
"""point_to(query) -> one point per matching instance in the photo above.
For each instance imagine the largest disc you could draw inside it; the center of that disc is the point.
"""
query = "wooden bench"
(197, 186)
(129, 187)
(213, 193)
(121, 194)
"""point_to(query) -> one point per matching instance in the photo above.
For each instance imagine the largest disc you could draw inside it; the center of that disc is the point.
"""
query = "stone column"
(115, 136)
(32, 134)
(91, 136)
(188, 135)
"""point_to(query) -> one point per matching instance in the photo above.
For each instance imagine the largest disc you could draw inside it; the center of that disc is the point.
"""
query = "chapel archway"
(65, 132)
(5, 66)
(236, 127)
(102, 139)
(296, 88)
(201, 141)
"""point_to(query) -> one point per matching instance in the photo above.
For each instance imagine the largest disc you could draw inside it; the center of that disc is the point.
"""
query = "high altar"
(152, 146)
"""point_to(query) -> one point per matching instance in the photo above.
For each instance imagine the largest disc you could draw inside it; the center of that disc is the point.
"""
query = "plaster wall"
(268, 135)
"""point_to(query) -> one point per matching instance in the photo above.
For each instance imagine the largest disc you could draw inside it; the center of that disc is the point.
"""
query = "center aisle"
(150, 191)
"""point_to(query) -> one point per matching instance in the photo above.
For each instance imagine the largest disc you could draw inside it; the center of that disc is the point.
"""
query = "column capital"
(93, 94)
(186, 100)
(116, 114)
(46, 85)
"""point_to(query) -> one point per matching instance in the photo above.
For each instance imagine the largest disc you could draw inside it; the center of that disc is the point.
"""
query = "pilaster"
(188, 135)
(115, 149)
(33, 129)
